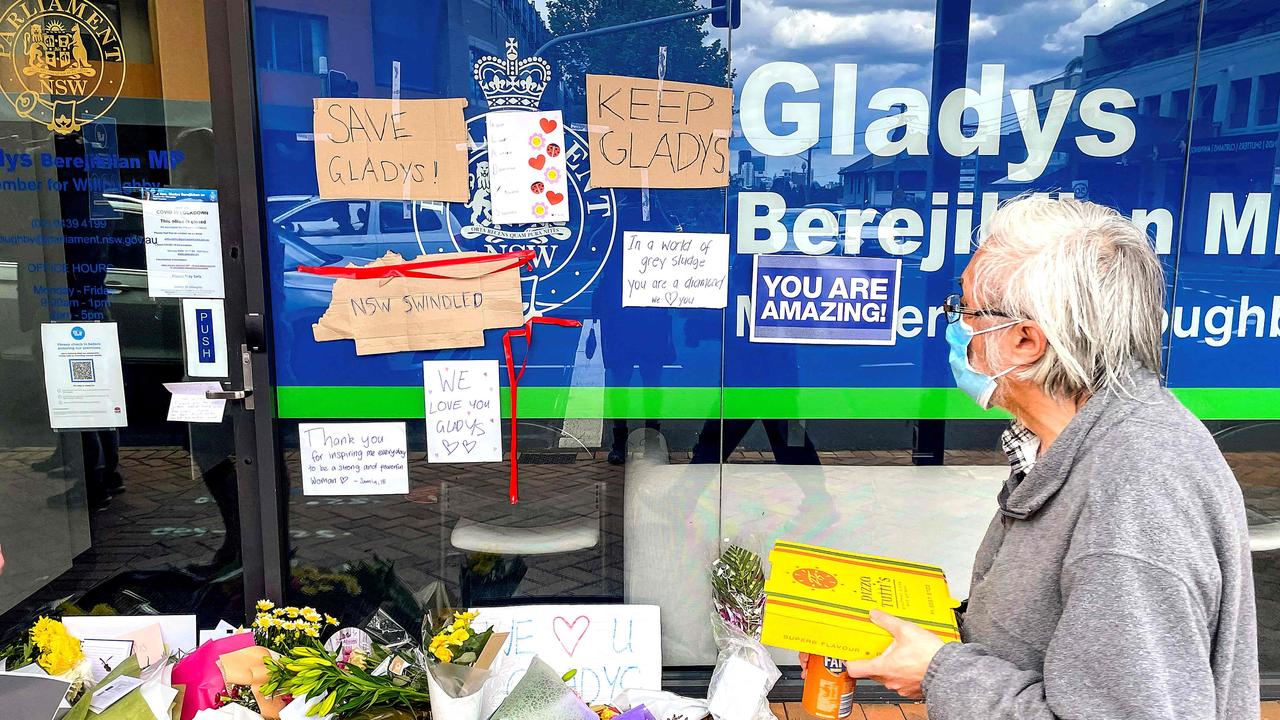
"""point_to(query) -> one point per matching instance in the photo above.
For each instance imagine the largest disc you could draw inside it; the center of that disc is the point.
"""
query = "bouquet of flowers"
(458, 659)
(49, 645)
(744, 671)
(284, 628)
(737, 589)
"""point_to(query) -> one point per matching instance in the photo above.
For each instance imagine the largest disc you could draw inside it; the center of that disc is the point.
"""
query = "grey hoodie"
(1114, 582)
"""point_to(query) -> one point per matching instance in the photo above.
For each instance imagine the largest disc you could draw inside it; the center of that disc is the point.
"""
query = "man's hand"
(902, 666)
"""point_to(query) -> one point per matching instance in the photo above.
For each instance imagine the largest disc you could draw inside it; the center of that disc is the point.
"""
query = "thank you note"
(675, 270)
(463, 411)
(353, 458)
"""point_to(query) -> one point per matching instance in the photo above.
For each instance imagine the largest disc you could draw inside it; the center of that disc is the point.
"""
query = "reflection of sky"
(893, 48)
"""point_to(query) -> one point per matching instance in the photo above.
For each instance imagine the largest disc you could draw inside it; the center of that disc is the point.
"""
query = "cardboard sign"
(613, 647)
(463, 420)
(654, 133)
(371, 148)
(828, 300)
(397, 314)
(675, 270)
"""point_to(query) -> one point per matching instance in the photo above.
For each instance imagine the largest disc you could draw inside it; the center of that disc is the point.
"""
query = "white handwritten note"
(613, 647)
(527, 167)
(679, 270)
(189, 404)
(463, 423)
(353, 459)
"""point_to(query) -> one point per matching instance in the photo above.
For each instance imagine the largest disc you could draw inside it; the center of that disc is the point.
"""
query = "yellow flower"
(265, 605)
(312, 632)
(443, 654)
(459, 636)
(262, 623)
(291, 611)
(59, 651)
(331, 619)
(310, 615)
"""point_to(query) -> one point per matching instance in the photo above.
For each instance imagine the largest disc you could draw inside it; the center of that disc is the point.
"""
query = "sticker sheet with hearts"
(463, 421)
(527, 167)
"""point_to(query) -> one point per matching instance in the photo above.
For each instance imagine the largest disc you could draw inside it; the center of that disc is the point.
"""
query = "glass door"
(119, 307)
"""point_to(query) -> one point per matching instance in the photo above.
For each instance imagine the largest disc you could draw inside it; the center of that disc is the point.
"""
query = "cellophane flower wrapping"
(745, 672)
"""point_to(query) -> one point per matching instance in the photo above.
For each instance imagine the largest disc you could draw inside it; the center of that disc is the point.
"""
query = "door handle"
(227, 394)
(246, 393)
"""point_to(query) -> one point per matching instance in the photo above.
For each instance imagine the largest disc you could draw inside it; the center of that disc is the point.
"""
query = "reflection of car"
(277, 205)
(366, 230)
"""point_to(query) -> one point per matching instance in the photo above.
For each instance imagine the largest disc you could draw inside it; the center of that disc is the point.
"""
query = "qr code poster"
(82, 371)
(83, 376)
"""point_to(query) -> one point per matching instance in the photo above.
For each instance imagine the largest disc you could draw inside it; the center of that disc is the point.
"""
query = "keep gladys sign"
(371, 148)
(830, 300)
(654, 133)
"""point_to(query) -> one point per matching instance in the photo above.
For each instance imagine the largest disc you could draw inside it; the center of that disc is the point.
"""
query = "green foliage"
(737, 588)
(690, 57)
(309, 671)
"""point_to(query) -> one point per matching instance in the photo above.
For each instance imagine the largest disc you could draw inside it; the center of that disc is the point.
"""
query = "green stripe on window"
(352, 402)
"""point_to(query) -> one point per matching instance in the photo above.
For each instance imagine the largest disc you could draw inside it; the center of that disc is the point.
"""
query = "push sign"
(827, 300)
(206, 348)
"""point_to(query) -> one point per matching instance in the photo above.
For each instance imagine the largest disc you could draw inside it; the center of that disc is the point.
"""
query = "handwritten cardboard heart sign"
(613, 647)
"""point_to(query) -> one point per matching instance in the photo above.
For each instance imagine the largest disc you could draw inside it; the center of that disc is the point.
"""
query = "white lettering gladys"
(909, 110)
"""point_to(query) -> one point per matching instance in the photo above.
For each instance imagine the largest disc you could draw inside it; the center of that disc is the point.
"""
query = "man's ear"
(1029, 343)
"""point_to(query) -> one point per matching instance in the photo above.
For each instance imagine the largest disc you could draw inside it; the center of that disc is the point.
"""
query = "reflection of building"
(876, 181)
(749, 171)
(1152, 55)
(293, 41)
(350, 49)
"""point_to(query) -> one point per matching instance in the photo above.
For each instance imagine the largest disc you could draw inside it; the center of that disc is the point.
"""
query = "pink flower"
(537, 141)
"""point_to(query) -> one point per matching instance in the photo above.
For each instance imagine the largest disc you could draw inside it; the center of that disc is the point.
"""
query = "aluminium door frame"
(262, 488)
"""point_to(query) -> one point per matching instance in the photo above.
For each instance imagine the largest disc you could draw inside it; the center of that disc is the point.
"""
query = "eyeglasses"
(954, 309)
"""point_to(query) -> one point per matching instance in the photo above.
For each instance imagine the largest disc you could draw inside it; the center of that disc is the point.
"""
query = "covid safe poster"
(831, 158)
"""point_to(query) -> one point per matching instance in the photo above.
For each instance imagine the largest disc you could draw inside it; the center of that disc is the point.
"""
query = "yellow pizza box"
(819, 600)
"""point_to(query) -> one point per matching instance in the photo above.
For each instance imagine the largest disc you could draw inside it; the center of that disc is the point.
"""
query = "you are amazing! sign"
(825, 300)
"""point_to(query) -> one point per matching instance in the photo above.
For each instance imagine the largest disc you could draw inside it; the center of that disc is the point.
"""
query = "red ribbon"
(513, 380)
(419, 269)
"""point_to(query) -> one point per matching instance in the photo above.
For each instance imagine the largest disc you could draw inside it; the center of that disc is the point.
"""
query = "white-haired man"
(1115, 580)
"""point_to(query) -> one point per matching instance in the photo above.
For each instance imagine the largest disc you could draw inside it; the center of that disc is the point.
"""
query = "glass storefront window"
(649, 437)
(143, 517)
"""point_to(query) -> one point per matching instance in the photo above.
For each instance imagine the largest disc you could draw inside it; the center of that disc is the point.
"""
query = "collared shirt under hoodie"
(1114, 582)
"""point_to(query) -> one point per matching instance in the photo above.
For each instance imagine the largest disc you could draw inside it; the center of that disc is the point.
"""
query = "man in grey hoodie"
(1115, 580)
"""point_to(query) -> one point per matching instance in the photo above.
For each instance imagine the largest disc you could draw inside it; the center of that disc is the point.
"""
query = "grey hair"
(1088, 277)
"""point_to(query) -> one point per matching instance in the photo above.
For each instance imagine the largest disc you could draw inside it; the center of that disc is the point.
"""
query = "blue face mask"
(976, 385)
